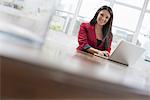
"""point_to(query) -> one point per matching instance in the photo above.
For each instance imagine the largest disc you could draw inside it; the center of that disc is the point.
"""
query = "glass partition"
(27, 19)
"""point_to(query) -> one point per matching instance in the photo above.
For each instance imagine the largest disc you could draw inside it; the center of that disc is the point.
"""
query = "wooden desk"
(58, 71)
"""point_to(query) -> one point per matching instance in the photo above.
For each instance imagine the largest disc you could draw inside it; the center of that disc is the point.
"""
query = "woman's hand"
(98, 52)
(103, 54)
(106, 53)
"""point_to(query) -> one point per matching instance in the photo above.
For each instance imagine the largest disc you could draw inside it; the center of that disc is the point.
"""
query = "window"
(144, 37)
(125, 17)
(145, 29)
(89, 7)
(148, 7)
(136, 3)
(64, 15)
(68, 5)
(119, 34)
(60, 21)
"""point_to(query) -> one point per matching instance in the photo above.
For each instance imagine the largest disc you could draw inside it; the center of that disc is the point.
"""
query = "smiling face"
(103, 17)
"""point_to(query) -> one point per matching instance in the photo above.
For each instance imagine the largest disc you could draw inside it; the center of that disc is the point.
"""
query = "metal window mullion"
(137, 31)
(73, 21)
(123, 29)
(65, 12)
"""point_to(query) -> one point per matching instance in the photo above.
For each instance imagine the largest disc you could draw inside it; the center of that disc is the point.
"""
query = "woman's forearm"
(92, 50)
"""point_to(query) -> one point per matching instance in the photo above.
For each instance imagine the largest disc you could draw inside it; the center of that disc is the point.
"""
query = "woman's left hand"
(106, 53)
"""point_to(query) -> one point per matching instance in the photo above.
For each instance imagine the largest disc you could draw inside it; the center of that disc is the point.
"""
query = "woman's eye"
(101, 14)
(107, 17)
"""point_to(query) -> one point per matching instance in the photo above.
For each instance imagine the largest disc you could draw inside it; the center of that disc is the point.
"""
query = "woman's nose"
(103, 18)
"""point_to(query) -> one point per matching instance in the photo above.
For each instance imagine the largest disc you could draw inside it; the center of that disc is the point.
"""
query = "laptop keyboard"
(147, 58)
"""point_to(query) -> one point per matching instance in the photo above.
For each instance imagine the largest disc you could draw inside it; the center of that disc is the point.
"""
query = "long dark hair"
(107, 28)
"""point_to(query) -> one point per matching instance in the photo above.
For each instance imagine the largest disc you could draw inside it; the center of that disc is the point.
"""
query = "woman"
(96, 36)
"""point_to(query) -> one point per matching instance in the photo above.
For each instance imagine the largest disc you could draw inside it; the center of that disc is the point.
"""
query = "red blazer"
(87, 38)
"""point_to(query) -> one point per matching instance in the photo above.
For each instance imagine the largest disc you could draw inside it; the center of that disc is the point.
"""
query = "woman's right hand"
(100, 53)
(95, 51)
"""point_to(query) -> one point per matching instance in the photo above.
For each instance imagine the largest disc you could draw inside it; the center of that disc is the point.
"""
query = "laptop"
(125, 53)
(147, 58)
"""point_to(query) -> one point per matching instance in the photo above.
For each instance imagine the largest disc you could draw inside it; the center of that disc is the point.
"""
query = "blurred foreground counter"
(56, 70)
